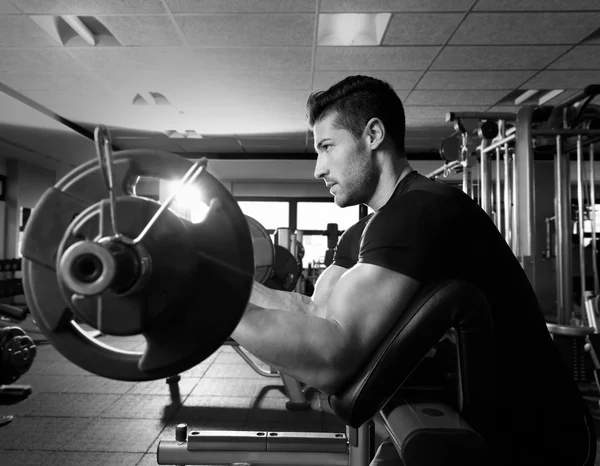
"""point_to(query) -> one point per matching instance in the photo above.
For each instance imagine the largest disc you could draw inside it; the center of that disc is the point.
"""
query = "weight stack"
(575, 357)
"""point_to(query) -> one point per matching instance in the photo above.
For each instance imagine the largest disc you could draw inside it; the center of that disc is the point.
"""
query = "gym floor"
(75, 418)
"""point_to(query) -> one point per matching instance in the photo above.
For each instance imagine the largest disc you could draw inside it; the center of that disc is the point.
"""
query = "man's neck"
(388, 182)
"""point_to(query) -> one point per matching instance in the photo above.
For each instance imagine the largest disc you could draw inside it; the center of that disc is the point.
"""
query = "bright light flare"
(189, 202)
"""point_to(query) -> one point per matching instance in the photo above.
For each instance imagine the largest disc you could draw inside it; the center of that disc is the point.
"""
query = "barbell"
(95, 253)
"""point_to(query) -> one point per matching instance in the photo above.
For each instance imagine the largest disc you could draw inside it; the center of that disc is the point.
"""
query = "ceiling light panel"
(347, 29)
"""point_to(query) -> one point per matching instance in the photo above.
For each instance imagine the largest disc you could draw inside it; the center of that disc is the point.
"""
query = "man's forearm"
(305, 347)
(274, 299)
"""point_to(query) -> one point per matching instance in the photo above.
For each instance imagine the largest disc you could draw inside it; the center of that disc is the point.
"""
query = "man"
(421, 231)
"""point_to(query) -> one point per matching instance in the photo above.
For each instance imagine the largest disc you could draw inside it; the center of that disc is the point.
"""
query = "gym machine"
(531, 205)
(95, 252)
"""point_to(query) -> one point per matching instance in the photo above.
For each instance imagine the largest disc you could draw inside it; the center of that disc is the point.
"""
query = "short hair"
(357, 99)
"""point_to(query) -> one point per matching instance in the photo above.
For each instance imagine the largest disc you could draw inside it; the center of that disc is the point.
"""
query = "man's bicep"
(325, 286)
(367, 301)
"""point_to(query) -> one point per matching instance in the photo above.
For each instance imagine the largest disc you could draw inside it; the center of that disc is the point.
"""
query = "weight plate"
(183, 320)
(264, 250)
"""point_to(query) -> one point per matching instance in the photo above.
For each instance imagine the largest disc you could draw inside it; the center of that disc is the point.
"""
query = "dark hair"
(357, 99)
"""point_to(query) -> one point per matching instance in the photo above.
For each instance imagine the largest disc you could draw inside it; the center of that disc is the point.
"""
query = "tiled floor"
(75, 418)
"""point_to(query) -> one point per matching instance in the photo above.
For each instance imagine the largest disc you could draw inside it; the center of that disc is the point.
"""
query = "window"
(314, 249)
(587, 223)
(316, 216)
(270, 214)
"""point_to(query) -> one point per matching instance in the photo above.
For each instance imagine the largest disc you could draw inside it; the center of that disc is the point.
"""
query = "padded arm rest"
(434, 310)
(430, 433)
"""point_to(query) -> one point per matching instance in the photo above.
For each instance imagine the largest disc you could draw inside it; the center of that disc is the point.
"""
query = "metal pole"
(507, 197)
(524, 187)
(464, 158)
(564, 285)
(498, 192)
(593, 220)
(580, 224)
(516, 231)
(485, 179)
(501, 142)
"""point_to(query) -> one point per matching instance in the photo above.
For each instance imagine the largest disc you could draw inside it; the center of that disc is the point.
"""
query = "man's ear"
(374, 133)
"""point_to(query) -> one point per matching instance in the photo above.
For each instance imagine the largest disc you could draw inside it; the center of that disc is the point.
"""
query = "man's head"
(351, 121)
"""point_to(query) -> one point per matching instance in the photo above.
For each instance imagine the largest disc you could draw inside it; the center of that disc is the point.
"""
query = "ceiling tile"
(402, 93)
(163, 143)
(536, 5)
(438, 112)
(515, 57)
(579, 58)
(525, 28)
(60, 98)
(227, 101)
(374, 58)
(421, 28)
(240, 6)
(397, 79)
(369, 6)
(52, 82)
(447, 80)
(142, 30)
(454, 97)
(21, 31)
(281, 59)
(7, 8)
(210, 144)
(295, 136)
(89, 7)
(247, 30)
(134, 58)
(83, 108)
(31, 61)
(163, 81)
(564, 79)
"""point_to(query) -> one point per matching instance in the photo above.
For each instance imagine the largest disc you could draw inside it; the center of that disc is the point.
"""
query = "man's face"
(345, 164)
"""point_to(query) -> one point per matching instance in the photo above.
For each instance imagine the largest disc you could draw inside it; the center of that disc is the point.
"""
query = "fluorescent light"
(192, 134)
(549, 96)
(526, 95)
(80, 28)
(183, 134)
(352, 28)
(49, 24)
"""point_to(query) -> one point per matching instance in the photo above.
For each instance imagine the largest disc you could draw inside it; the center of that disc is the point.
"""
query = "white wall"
(25, 184)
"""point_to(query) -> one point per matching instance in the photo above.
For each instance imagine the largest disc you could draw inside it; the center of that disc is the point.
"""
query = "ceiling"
(239, 72)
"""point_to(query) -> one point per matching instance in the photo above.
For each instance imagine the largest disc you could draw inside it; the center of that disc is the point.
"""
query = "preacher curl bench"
(430, 426)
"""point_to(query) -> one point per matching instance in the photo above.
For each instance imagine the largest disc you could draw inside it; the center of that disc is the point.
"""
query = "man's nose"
(320, 169)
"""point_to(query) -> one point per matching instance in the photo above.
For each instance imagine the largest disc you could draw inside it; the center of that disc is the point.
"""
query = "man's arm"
(325, 349)
(265, 297)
